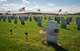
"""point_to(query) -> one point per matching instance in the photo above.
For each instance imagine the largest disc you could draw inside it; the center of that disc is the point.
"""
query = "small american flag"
(22, 9)
(38, 10)
(60, 10)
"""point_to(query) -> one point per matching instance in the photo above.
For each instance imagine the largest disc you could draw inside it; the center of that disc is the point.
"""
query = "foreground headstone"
(63, 23)
(52, 31)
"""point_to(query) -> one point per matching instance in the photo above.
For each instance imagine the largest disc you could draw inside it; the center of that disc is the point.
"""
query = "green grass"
(69, 39)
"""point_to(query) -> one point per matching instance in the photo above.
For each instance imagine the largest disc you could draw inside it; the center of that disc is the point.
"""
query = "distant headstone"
(15, 20)
(22, 20)
(62, 18)
(4, 18)
(9, 19)
(12, 17)
(52, 31)
(63, 23)
(57, 19)
(69, 20)
(45, 18)
(25, 18)
(0, 18)
(35, 18)
(39, 20)
(77, 20)
(78, 24)
(41, 17)
(30, 18)
(49, 18)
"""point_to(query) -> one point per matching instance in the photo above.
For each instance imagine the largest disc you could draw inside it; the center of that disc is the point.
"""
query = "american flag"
(65, 12)
(60, 10)
(38, 10)
(22, 9)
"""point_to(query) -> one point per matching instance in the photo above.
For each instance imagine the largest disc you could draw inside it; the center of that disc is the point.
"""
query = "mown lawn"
(69, 39)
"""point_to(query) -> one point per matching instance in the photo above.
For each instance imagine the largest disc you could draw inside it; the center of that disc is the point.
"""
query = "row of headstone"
(78, 23)
(64, 22)
(4, 18)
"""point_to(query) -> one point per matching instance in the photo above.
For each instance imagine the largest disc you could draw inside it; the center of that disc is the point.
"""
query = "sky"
(48, 6)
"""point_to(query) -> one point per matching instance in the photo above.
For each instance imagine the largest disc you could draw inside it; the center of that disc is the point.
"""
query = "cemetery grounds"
(69, 39)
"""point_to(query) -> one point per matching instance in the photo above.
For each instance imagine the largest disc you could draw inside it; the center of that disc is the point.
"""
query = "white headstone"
(52, 31)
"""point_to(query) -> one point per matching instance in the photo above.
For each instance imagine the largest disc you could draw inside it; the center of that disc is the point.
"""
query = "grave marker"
(63, 23)
(0, 18)
(77, 20)
(69, 20)
(9, 19)
(15, 20)
(30, 18)
(52, 31)
(49, 18)
(12, 17)
(4, 18)
(57, 19)
(22, 20)
(25, 18)
(35, 18)
(45, 18)
(39, 20)
(78, 26)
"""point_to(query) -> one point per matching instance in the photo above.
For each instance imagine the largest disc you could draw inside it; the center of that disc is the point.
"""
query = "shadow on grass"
(58, 48)
(67, 29)
(55, 45)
